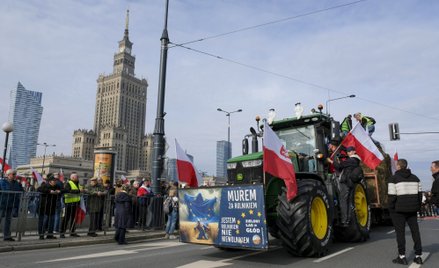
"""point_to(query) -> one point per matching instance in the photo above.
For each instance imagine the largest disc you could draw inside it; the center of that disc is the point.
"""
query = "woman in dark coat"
(123, 203)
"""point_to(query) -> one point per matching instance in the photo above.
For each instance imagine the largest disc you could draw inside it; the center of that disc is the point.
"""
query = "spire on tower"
(127, 19)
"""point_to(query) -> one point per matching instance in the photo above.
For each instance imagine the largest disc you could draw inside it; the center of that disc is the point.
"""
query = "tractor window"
(300, 140)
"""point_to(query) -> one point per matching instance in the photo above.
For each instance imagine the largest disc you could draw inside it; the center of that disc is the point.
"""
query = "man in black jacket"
(435, 186)
(345, 184)
(404, 192)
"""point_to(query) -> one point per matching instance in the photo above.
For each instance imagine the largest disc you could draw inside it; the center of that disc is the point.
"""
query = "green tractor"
(308, 223)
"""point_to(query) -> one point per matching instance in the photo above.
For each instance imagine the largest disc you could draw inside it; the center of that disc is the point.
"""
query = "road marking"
(205, 264)
(154, 244)
(333, 255)
(209, 247)
(129, 250)
(424, 257)
(96, 255)
(224, 262)
(390, 232)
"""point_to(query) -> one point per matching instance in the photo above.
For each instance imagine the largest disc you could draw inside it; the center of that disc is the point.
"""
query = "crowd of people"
(57, 205)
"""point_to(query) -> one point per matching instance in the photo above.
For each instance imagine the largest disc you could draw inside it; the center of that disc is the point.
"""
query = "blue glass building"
(223, 153)
(25, 113)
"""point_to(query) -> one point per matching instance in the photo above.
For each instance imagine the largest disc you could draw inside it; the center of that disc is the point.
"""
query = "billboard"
(104, 165)
(229, 216)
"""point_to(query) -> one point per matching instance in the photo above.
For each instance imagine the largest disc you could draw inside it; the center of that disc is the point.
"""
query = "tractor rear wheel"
(305, 223)
(359, 217)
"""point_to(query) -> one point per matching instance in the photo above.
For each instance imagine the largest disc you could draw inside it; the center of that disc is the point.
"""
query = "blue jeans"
(57, 218)
(172, 220)
(7, 213)
(370, 129)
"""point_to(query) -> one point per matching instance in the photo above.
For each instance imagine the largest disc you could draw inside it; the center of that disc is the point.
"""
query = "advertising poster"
(230, 216)
(104, 165)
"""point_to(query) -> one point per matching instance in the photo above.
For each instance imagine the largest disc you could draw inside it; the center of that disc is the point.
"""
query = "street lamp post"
(44, 155)
(159, 128)
(7, 128)
(228, 127)
(345, 97)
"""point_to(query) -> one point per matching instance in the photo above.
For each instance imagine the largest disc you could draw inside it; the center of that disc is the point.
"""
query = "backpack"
(167, 205)
(356, 174)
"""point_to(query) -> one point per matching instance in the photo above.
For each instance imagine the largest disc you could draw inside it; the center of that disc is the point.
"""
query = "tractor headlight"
(252, 163)
(231, 165)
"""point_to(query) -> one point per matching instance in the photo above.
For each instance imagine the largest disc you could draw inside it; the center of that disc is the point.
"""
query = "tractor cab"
(306, 139)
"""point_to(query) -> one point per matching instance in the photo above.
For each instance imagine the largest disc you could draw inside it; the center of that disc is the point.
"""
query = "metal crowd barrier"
(146, 213)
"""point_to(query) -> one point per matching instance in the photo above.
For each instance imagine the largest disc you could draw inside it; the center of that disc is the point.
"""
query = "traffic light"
(394, 131)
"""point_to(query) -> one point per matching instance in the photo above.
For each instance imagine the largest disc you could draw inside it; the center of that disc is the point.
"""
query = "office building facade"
(25, 114)
(223, 153)
(120, 112)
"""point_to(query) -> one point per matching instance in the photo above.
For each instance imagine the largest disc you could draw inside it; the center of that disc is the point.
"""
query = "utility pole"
(159, 129)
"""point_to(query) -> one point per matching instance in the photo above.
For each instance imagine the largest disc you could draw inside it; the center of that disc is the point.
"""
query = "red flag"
(37, 176)
(186, 169)
(277, 162)
(124, 180)
(364, 146)
(61, 175)
(80, 212)
(5, 167)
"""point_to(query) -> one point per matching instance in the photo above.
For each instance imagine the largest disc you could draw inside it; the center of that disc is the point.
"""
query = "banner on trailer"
(229, 216)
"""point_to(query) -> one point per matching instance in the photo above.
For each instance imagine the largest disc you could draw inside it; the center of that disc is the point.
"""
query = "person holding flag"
(345, 183)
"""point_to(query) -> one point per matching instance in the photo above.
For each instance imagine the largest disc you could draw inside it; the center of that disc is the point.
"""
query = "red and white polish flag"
(277, 162)
(5, 165)
(364, 146)
(37, 176)
(61, 175)
(80, 211)
(187, 173)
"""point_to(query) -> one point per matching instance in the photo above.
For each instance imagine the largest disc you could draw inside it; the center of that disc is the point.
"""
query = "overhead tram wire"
(299, 80)
(270, 23)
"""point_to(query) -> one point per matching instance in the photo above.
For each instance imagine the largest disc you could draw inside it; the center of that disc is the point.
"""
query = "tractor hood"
(253, 156)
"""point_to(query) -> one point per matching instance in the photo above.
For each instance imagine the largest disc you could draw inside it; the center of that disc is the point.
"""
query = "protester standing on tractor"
(367, 122)
(345, 183)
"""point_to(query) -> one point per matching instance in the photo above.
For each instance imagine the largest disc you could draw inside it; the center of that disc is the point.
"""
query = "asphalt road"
(377, 252)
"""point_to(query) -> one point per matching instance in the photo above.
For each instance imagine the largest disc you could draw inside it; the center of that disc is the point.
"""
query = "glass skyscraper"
(25, 113)
(223, 153)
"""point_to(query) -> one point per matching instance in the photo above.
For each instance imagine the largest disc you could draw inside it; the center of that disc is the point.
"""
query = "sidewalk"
(33, 242)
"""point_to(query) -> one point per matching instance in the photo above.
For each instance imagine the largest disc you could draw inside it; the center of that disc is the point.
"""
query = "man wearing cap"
(49, 193)
(9, 199)
(345, 183)
(336, 151)
(96, 196)
(71, 199)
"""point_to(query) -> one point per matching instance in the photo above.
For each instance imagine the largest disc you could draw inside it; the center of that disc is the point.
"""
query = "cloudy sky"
(385, 52)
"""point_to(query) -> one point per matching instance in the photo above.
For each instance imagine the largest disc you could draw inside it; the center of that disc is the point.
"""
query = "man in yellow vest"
(346, 125)
(71, 200)
(367, 122)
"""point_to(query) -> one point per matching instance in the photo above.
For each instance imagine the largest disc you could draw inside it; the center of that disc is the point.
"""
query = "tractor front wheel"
(305, 223)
